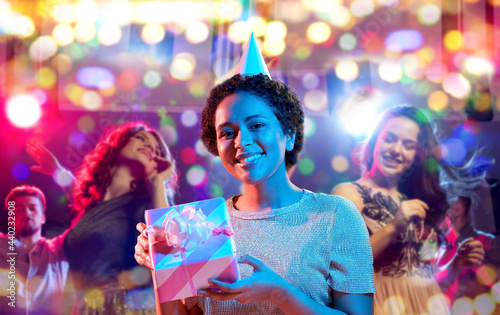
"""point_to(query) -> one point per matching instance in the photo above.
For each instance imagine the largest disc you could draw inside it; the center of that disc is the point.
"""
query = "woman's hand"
(264, 284)
(408, 209)
(47, 162)
(142, 247)
(163, 170)
(470, 254)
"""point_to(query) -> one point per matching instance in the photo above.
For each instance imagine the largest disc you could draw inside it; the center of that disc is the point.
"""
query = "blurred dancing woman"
(121, 178)
(402, 203)
(301, 252)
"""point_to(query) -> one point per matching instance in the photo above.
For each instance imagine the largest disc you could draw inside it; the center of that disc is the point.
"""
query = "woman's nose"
(243, 139)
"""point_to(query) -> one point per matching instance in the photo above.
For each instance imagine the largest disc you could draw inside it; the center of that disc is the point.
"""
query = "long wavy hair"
(94, 175)
(424, 178)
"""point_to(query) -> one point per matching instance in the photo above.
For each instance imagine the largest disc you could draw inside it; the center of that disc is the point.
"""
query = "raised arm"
(49, 165)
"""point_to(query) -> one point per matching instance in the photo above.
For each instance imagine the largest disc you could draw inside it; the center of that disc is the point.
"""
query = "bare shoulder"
(349, 191)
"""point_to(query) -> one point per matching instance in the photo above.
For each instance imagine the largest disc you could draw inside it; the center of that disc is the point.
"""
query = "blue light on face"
(95, 77)
(404, 40)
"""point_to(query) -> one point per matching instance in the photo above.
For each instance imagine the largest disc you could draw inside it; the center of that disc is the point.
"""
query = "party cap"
(252, 62)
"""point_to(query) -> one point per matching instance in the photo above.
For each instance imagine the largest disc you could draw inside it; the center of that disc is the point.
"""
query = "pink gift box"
(179, 272)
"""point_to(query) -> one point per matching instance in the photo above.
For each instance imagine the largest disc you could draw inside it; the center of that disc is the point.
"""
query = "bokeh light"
(87, 11)
(495, 292)
(275, 31)
(306, 166)
(438, 101)
(63, 34)
(43, 48)
(318, 32)
(46, 77)
(85, 31)
(403, 40)
(196, 176)
(40, 96)
(152, 79)
(188, 155)
(64, 12)
(23, 110)
(182, 66)
(390, 71)
(62, 178)
(91, 100)
(257, 25)
(347, 42)
(169, 134)
(86, 124)
(361, 8)
(457, 85)
(340, 163)
(95, 77)
(62, 63)
(453, 40)
(395, 305)
(109, 34)
(197, 32)
(339, 16)
(315, 100)
(77, 138)
(23, 26)
(429, 14)
(200, 148)
(347, 70)
(94, 298)
(189, 118)
(128, 79)
(453, 151)
(273, 48)
(479, 66)
(484, 304)
(463, 306)
(486, 274)
(152, 33)
(310, 81)
(21, 171)
(309, 126)
(239, 32)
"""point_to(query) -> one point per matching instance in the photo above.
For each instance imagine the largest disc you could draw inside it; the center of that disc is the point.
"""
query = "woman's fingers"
(218, 295)
(141, 227)
(225, 287)
(256, 263)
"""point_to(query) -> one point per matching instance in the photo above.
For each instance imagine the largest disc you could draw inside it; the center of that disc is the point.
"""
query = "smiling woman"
(402, 203)
(130, 170)
(300, 252)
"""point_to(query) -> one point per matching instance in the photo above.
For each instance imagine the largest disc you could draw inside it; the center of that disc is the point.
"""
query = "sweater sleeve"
(351, 264)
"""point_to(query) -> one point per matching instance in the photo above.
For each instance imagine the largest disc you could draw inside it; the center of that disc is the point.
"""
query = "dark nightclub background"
(70, 69)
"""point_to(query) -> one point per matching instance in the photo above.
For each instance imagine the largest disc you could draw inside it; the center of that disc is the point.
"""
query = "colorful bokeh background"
(70, 69)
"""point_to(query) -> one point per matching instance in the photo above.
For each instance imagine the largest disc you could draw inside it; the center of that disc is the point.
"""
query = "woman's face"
(396, 146)
(139, 153)
(250, 141)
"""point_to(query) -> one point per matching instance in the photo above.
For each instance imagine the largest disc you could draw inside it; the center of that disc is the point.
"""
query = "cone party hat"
(252, 62)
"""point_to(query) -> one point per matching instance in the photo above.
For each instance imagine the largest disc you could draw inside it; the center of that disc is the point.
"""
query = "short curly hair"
(280, 97)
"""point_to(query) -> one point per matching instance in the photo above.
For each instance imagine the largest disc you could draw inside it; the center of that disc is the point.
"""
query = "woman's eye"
(227, 134)
(141, 138)
(257, 126)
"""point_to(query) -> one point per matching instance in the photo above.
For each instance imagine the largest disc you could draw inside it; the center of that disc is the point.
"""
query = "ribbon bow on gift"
(186, 230)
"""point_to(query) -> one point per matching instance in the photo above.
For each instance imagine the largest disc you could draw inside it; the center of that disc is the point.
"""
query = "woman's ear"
(290, 141)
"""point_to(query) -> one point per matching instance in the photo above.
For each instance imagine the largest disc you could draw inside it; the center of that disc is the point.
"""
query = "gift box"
(188, 245)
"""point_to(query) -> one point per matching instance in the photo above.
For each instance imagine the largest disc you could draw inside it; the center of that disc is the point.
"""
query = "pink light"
(24, 110)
